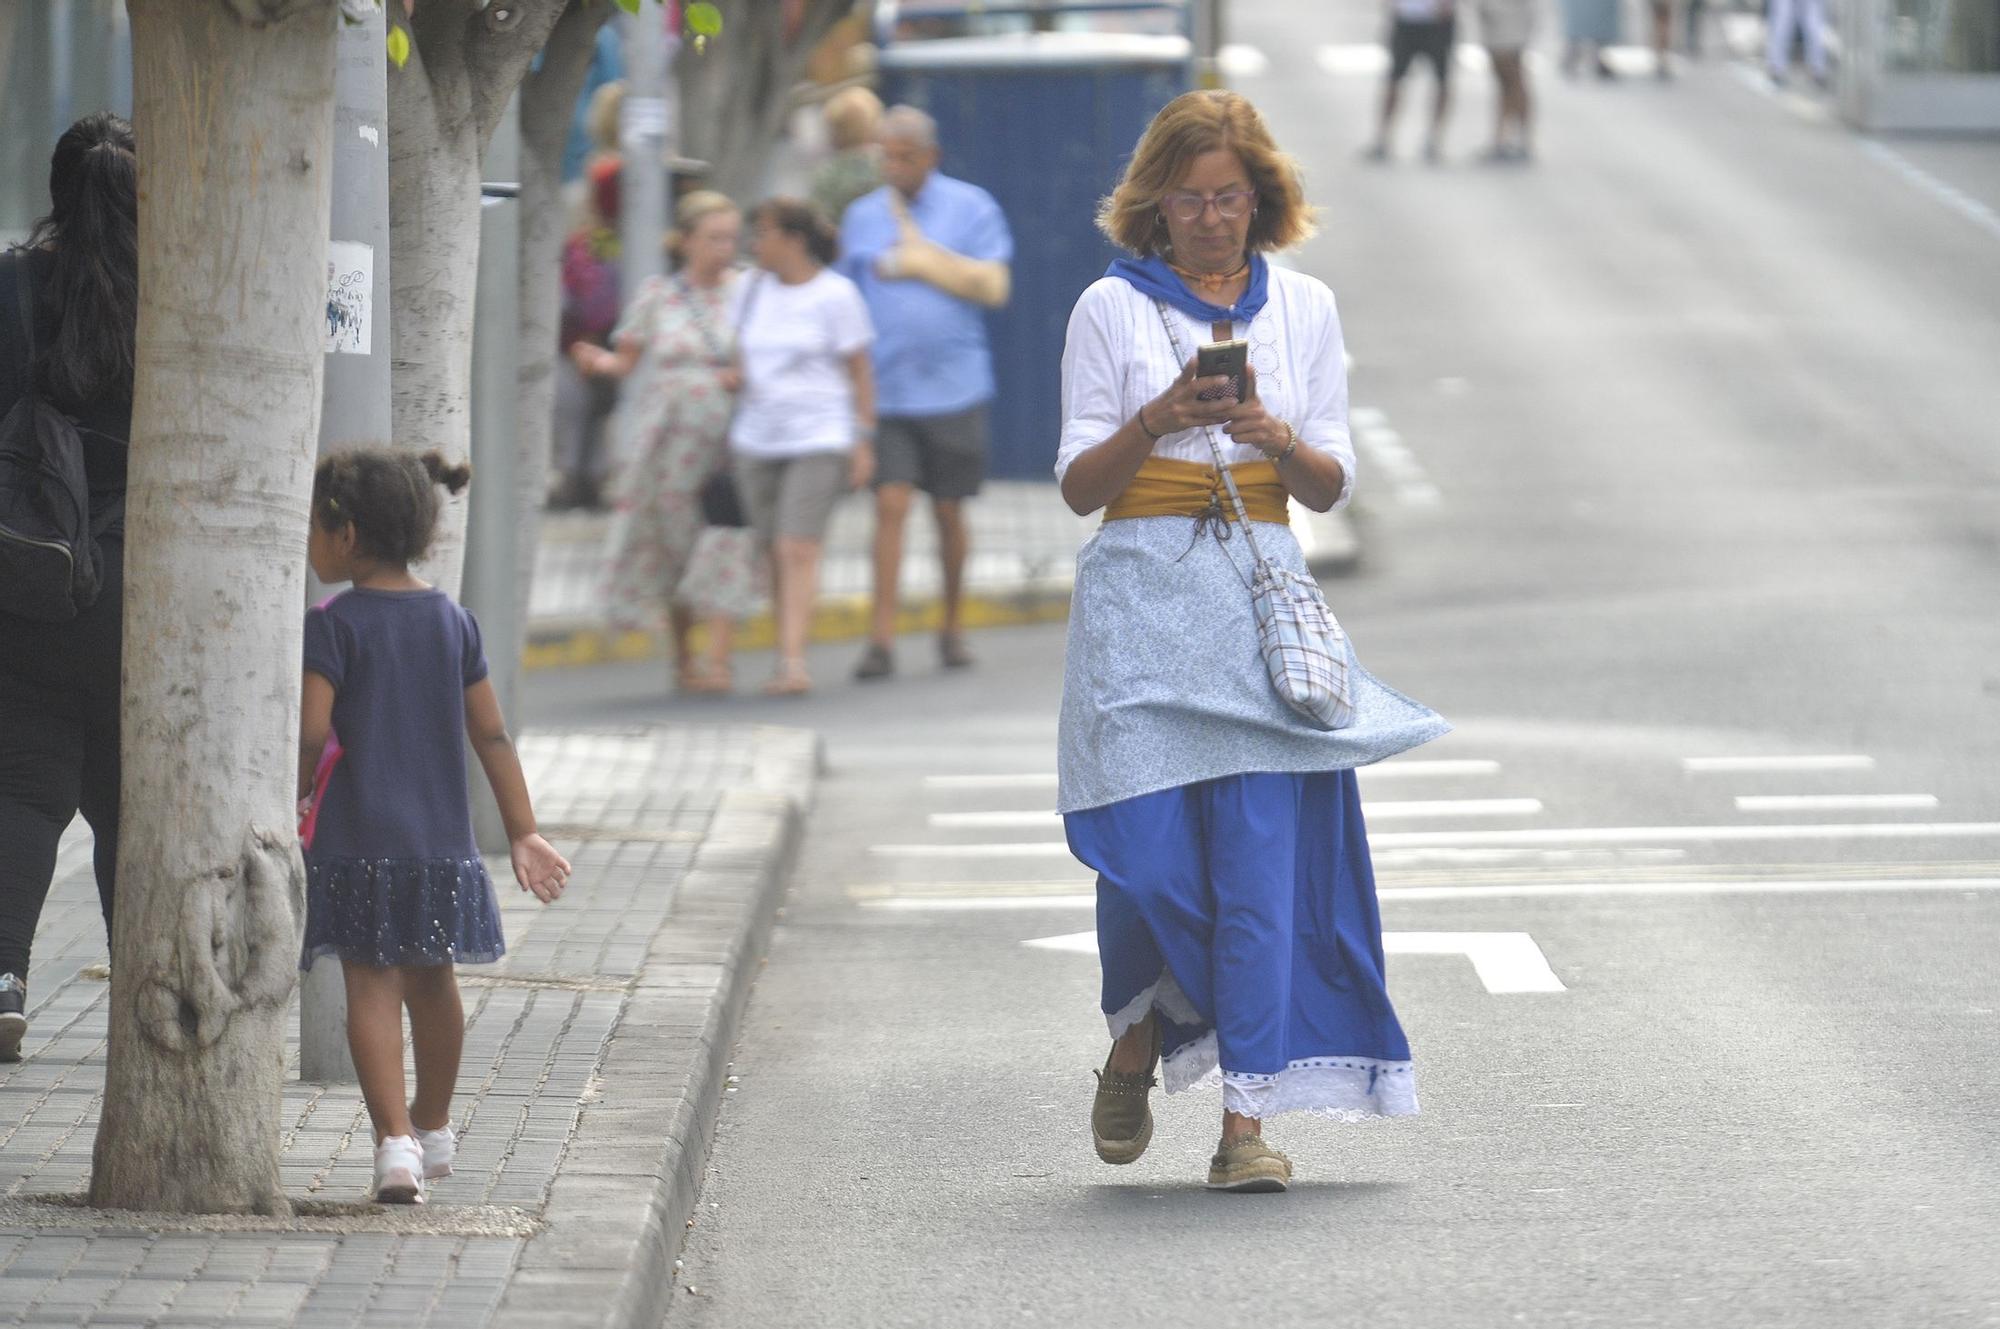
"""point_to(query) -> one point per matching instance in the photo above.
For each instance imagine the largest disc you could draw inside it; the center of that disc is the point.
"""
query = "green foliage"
(629, 6)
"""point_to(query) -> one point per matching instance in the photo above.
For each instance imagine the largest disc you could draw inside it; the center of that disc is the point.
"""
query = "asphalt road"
(1679, 446)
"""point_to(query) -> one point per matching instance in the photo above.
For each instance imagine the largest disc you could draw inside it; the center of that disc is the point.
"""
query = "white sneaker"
(440, 1147)
(399, 1171)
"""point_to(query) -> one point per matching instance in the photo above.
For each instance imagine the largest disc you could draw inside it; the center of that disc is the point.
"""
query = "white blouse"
(1117, 357)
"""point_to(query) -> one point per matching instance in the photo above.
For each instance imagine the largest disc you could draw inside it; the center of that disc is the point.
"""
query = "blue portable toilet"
(1044, 121)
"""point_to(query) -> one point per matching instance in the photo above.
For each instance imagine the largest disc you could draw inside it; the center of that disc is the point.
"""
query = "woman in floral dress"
(664, 557)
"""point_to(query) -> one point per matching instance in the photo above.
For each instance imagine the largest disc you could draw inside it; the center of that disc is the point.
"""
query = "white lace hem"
(1343, 1088)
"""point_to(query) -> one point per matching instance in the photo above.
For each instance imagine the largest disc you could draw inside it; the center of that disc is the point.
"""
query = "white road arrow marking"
(1506, 962)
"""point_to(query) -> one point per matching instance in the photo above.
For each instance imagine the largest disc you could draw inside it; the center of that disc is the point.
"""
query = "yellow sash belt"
(1166, 488)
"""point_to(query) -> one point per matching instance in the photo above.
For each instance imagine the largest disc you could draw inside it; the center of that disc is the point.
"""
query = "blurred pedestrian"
(1790, 20)
(931, 255)
(395, 885)
(591, 296)
(1236, 911)
(667, 561)
(1419, 30)
(1506, 26)
(1589, 26)
(71, 293)
(804, 431)
(1662, 13)
(853, 120)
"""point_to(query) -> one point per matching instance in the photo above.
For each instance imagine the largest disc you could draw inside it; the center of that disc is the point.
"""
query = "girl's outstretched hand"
(539, 868)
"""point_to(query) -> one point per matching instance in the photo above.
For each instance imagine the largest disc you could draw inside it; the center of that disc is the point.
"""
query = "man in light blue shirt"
(931, 256)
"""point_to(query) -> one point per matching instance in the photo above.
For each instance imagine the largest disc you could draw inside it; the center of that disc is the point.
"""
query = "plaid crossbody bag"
(1305, 651)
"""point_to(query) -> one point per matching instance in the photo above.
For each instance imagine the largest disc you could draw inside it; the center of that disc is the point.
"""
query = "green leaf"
(629, 6)
(399, 47)
(704, 20)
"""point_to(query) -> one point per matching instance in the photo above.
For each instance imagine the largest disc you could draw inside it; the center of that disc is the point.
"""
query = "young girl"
(395, 885)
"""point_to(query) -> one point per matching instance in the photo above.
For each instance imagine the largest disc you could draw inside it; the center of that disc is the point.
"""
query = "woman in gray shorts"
(805, 417)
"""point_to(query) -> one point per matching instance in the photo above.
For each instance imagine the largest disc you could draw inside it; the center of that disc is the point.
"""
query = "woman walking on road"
(78, 275)
(1236, 912)
(665, 560)
(804, 432)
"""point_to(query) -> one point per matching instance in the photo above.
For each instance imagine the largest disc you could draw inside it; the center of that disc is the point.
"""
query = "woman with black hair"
(804, 430)
(59, 682)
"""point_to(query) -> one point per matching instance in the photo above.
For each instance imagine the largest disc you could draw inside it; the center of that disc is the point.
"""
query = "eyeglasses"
(1189, 207)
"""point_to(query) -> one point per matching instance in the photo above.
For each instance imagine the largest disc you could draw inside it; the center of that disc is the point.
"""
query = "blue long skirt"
(1242, 909)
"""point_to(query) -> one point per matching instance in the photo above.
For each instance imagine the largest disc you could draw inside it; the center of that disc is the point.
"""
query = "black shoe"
(13, 1016)
(876, 663)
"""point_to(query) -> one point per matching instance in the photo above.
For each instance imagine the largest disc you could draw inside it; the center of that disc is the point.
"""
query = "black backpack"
(50, 566)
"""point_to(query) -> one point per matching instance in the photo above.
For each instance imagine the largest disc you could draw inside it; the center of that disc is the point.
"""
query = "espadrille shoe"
(1247, 1164)
(1121, 1118)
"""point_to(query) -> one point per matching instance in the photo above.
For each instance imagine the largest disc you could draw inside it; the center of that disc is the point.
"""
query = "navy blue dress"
(394, 876)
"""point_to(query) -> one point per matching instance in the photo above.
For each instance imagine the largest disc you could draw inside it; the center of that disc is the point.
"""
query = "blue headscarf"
(1157, 281)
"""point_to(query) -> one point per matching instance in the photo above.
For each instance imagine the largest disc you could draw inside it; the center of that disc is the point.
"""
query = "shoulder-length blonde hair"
(1185, 128)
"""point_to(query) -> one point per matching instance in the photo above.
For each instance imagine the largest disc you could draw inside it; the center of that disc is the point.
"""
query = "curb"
(1331, 543)
(626, 1188)
(569, 643)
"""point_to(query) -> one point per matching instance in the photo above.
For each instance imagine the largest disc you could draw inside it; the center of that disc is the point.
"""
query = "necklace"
(1209, 282)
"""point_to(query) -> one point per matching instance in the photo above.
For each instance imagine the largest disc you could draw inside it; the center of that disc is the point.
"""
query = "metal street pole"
(493, 532)
(354, 408)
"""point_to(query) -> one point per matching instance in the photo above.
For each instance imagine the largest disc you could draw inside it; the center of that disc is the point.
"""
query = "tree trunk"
(234, 120)
(443, 106)
(736, 95)
(548, 103)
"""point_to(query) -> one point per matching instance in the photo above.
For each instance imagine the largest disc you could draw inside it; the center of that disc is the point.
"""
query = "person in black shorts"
(1426, 30)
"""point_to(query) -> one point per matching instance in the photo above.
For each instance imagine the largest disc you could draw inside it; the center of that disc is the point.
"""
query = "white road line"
(1451, 807)
(1423, 769)
(1032, 780)
(1560, 890)
(1945, 830)
(1406, 475)
(1024, 849)
(1506, 891)
(1382, 771)
(1835, 802)
(1652, 835)
(993, 821)
(1380, 811)
(1506, 962)
(978, 904)
(1741, 765)
(1460, 858)
(1966, 206)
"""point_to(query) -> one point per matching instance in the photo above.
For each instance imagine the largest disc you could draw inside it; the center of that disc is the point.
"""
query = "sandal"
(791, 680)
(704, 678)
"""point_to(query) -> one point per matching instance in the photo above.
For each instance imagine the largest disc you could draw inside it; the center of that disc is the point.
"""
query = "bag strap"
(1214, 448)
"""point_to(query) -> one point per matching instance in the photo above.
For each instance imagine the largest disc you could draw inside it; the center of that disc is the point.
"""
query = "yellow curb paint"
(844, 619)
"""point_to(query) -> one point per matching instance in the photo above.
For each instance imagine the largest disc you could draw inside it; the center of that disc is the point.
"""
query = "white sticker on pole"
(350, 298)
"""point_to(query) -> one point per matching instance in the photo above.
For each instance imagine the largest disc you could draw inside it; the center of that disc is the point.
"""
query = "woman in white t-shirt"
(805, 419)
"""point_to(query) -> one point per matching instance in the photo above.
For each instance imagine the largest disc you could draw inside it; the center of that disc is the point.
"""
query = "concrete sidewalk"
(1024, 544)
(596, 1056)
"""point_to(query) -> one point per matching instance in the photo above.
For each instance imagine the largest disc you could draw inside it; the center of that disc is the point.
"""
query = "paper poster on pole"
(350, 297)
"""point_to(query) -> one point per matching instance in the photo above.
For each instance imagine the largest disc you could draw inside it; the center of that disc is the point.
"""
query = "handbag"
(721, 502)
(1305, 651)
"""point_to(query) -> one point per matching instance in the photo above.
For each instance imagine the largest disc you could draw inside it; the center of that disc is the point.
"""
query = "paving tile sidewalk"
(595, 1053)
(1024, 545)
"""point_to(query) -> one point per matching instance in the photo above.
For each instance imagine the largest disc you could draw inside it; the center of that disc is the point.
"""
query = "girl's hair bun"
(453, 478)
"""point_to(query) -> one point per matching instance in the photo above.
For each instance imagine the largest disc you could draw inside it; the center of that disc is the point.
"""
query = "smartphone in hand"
(1226, 358)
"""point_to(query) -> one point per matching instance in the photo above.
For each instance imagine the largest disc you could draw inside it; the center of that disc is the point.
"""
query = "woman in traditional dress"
(1236, 911)
(665, 561)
